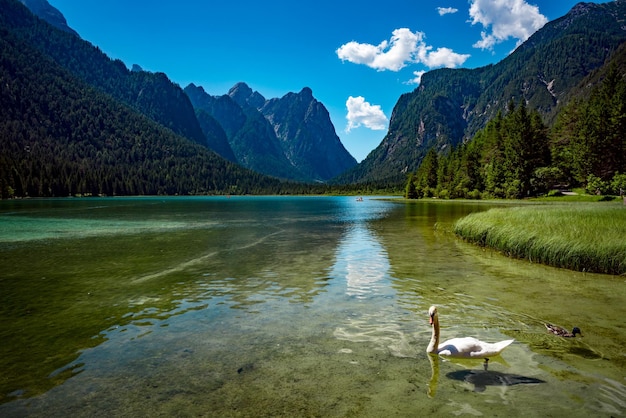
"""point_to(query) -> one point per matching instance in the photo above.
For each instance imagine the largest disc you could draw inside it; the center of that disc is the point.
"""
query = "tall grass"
(577, 236)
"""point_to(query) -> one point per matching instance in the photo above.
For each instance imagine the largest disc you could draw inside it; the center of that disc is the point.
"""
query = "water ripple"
(199, 260)
(613, 399)
(382, 329)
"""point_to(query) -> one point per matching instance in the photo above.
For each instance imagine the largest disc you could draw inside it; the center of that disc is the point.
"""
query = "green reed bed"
(577, 236)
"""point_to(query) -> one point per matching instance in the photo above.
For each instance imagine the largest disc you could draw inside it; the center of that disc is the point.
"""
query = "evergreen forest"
(62, 137)
(516, 155)
(74, 122)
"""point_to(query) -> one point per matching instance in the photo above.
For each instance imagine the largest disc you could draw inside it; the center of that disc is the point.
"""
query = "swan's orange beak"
(430, 319)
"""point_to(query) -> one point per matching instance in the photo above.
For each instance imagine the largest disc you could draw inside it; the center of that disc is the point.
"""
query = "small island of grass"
(588, 237)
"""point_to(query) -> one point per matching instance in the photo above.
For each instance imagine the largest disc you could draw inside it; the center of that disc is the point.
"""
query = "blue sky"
(358, 57)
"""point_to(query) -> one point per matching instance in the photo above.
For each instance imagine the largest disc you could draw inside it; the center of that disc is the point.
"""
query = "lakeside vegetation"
(516, 155)
(588, 237)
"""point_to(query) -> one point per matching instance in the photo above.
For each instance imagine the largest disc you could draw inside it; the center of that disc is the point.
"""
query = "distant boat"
(359, 199)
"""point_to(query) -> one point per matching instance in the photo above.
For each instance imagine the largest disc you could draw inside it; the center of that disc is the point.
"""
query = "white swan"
(467, 347)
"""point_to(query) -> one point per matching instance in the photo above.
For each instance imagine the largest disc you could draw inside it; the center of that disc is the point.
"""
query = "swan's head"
(575, 331)
(432, 313)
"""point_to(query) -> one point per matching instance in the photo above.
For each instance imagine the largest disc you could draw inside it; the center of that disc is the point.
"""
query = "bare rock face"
(307, 135)
(289, 137)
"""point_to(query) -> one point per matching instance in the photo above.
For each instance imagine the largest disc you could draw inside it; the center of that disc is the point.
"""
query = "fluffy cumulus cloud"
(446, 10)
(362, 113)
(404, 48)
(505, 19)
(388, 55)
(441, 57)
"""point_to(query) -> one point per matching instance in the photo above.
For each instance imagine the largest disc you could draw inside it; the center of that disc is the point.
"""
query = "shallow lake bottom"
(293, 307)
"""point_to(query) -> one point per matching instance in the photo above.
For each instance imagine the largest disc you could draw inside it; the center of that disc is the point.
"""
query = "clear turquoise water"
(288, 306)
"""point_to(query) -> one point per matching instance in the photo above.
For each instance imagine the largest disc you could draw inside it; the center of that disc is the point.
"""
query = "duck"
(465, 347)
(562, 332)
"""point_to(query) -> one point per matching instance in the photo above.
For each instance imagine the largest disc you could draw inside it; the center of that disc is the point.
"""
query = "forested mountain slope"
(451, 105)
(153, 94)
(516, 155)
(60, 136)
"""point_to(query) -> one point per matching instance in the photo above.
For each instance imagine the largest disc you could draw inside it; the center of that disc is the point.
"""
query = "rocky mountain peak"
(306, 92)
(581, 8)
(49, 13)
(240, 89)
(289, 137)
(245, 96)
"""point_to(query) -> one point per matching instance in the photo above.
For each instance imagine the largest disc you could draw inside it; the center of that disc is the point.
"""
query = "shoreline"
(586, 237)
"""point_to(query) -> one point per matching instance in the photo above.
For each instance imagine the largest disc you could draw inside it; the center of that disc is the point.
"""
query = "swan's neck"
(433, 346)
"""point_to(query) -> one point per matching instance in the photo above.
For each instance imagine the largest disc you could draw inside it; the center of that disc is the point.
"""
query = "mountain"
(307, 135)
(49, 13)
(290, 137)
(246, 97)
(451, 105)
(62, 136)
(152, 94)
(249, 134)
(215, 135)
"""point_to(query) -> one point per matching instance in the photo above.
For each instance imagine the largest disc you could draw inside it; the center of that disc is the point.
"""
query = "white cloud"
(442, 57)
(418, 77)
(388, 55)
(504, 19)
(361, 112)
(446, 10)
(405, 47)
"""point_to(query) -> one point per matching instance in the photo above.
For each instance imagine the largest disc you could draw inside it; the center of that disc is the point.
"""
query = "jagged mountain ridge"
(241, 135)
(60, 136)
(249, 135)
(451, 105)
(307, 135)
(293, 133)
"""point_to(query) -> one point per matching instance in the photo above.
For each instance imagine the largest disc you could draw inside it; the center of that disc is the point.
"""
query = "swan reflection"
(434, 375)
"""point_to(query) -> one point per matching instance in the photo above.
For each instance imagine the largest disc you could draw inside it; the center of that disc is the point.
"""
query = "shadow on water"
(479, 378)
(483, 378)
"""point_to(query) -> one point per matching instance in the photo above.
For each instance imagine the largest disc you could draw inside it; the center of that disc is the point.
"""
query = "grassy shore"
(579, 236)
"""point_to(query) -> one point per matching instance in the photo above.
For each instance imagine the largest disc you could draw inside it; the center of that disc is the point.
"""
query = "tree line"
(516, 155)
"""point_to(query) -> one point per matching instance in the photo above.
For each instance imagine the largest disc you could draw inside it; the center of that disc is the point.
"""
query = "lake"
(288, 306)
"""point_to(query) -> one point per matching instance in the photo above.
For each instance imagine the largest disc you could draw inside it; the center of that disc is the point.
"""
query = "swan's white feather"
(466, 347)
(471, 347)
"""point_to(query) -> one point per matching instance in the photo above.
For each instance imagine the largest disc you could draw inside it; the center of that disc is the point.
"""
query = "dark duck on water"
(562, 332)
